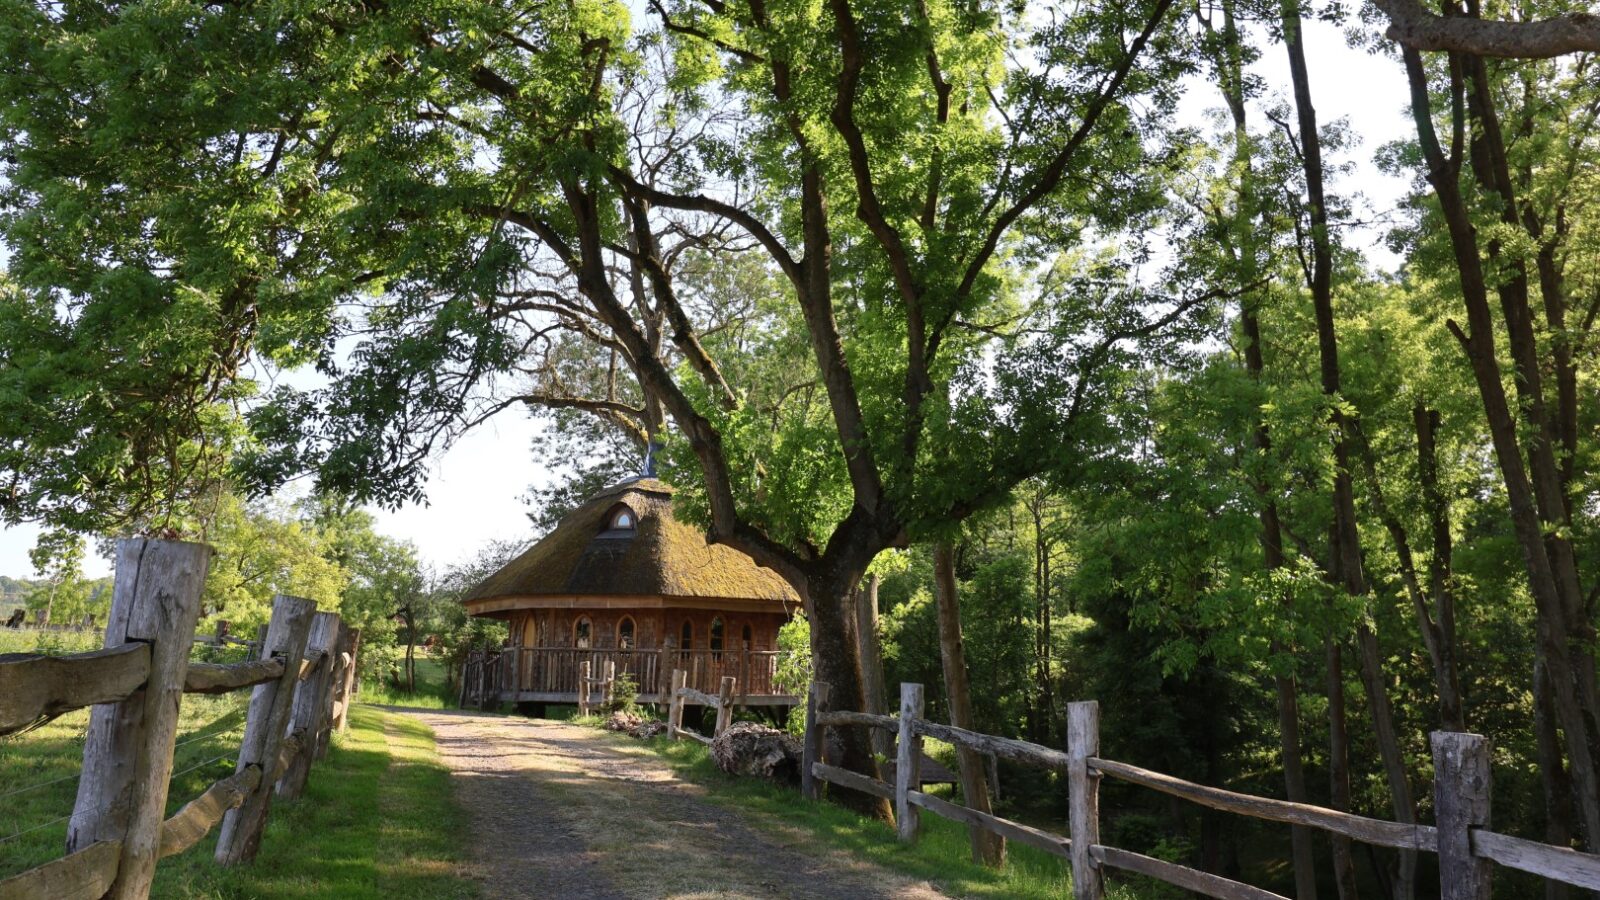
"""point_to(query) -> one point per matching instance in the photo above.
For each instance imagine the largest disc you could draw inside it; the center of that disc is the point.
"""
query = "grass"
(376, 821)
(942, 855)
(39, 773)
(29, 640)
(433, 692)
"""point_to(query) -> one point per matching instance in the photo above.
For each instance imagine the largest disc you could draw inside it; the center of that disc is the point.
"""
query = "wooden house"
(621, 580)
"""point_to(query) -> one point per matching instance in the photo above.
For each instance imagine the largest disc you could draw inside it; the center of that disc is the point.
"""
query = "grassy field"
(376, 821)
(942, 855)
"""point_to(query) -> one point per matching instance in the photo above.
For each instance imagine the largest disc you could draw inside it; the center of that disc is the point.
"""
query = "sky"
(475, 487)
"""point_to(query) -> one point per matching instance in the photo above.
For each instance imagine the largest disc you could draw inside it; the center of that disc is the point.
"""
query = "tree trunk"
(1568, 698)
(1230, 67)
(1344, 864)
(872, 686)
(987, 847)
(836, 661)
(1347, 563)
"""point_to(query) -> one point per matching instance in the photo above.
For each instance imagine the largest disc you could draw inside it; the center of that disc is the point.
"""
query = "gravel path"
(565, 812)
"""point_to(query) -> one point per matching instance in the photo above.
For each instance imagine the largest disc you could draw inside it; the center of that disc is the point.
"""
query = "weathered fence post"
(1083, 741)
(127, 755)
(811, 750)
(348, 690)
(584, 669)
(339, 657)
(305, 718)
(680, 679)
(611, 683)
(725, 704)
(1461, 803)
(908, 763)
(264, 728)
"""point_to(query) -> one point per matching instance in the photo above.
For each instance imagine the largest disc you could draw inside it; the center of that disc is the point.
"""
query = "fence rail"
(1468, 850)
(300, 684)
(723, 702)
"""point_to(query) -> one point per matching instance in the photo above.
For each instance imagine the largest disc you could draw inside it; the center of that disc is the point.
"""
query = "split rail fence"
(1468, 850)
(302, 680)
(724, 701)
(587, 684)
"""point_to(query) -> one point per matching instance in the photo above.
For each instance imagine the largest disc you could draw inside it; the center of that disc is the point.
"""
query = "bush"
(624, 694)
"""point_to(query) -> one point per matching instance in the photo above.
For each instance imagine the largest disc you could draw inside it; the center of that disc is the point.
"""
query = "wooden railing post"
(1461, 803)
(583, 688)
(127, 755)
(1083, 741)
(305, 716)
(725, 704)
(908, 763)
(680, 679)
(339, 656)
(811, 749)
(264, 728)
(744, 676)
(347, 692)
(611, 683)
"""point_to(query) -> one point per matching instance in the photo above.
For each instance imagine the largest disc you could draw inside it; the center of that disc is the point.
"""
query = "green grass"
(433, 692)
(39, 773)
(941, 855)
(27, 640)
(376, 821)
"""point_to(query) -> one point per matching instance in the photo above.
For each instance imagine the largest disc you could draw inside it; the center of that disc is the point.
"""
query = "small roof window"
(622, 518)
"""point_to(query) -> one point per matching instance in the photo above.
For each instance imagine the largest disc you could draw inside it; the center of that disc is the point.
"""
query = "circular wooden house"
(621, 581)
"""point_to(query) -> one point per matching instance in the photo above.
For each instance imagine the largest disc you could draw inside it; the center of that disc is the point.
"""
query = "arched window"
(625, 633)
(622, 519)
(716, 638)
(583, 633)
(749, 638)
(687, 637)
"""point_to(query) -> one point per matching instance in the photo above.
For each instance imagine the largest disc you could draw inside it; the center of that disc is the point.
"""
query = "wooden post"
(583, 687)
(1083, 741)
(725, 704)
(264, 727)
(744, 677)
(348, 694)
(908, 763)
(339, 656)
(611, 682)
(680, 679)
(305, 717)
(811, 749)
(1461, 803)
(127, 755)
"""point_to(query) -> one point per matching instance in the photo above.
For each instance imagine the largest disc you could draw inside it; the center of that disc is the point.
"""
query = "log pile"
(634, 726)
(747, 748)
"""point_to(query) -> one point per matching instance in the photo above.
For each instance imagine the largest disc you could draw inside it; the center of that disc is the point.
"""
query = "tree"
(63, 594)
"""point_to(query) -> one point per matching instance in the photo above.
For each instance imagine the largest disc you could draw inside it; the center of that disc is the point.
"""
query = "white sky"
(475, 488)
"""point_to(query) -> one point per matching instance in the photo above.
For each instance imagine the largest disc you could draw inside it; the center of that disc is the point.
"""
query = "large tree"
(425, 193)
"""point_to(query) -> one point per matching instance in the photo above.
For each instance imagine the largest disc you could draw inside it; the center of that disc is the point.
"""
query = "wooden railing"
(302, 681)
(723, 702)
(557, 671)
(1467, 850)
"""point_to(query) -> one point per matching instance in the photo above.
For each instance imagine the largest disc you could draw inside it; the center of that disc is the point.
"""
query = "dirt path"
(565, 812)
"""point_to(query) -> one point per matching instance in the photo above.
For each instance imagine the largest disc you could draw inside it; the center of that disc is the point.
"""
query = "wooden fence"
(723, 702)
(606, 683)
(1468, 850)
(302, 678)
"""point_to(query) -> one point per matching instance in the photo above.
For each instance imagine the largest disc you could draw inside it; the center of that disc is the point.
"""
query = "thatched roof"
(660, 557)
